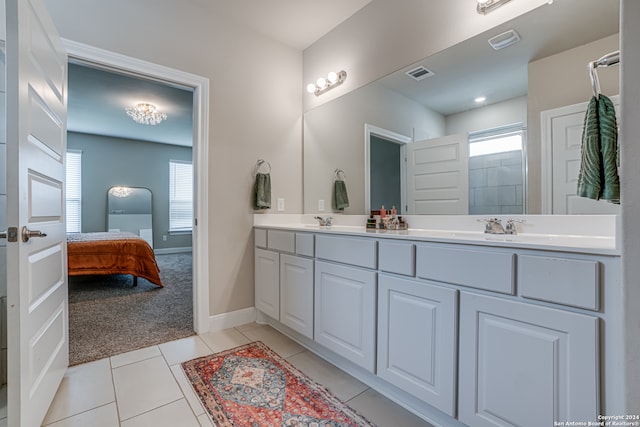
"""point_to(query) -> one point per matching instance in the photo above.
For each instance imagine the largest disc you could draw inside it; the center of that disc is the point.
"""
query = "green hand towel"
(262, 191)
(340, 198)
(598, 177)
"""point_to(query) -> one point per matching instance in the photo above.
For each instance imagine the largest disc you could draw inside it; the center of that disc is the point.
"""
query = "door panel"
(437, 176)
(38, 348)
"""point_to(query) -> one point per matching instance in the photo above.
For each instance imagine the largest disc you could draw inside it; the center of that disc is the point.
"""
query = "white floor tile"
(339, 383)
(83, 387)
(184, 349)
(172, 415)
(103, 416)
(187, 390)
(383, 412)
(224, 340)
(276, 341)
(204, 421)
(143, 386)
(134, 356)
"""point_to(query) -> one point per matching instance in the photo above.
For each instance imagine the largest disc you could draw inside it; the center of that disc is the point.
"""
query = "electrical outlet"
(164, 237)
(320, 205)
(280, 205)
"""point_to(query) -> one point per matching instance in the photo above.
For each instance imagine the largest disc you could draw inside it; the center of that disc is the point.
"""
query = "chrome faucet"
(493, 226)
(323, 222)
(511, 226)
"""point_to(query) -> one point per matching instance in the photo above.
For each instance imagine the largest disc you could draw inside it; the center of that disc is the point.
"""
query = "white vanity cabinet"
(475, 334)
(296, 293)
(417, 339)
(525, 365)
(283, 280)
(345, 312)
(267, 282)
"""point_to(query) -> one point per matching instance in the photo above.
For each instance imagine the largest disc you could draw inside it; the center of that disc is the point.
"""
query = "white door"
(38, 345)
(438, 176)
(562, 130)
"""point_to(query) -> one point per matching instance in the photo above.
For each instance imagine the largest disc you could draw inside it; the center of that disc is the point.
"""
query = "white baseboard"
(165, 251)
(232, 319)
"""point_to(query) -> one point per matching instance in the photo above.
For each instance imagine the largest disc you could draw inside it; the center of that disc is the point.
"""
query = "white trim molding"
(200, 85)
(231, 319)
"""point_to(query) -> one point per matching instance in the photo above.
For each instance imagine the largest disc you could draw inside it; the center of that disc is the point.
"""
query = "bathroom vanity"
(458, 327)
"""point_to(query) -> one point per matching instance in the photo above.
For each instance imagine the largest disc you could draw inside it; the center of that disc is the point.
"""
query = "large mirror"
(530, 88)
(130, 209)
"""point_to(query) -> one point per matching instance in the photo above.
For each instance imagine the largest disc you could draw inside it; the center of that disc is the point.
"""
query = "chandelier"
(120, 191)
(145, 114)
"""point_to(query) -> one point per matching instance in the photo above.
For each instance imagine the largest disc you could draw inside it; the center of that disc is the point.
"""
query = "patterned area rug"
(251, 386)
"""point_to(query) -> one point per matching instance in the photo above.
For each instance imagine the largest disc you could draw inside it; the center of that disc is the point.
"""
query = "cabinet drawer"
(397, 257)
(348, 250)
(565, 281)
(304, 244)
(280, 240)
(260, 237)
(477, 268)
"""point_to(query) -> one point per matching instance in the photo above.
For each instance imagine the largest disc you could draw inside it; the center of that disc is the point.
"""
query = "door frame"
(390, 136)
(200, 85)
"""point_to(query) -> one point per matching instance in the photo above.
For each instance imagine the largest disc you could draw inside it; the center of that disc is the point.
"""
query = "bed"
(106, 253)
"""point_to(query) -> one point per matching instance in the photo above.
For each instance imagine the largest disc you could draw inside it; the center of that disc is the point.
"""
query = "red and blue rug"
(251, 386)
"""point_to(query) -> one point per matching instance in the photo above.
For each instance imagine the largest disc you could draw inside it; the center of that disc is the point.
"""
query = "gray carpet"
(108, 316)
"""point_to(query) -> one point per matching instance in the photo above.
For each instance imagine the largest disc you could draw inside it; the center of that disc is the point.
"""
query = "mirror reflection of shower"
(130, 209)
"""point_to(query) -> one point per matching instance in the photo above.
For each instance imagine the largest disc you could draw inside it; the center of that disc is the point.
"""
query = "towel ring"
(260, 163)
(337, 172)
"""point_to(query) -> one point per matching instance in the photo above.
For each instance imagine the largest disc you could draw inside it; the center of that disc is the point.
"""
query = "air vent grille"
(419, 73)
(505, 39)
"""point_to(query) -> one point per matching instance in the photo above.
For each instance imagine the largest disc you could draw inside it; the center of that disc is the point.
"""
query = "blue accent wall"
(108, 161)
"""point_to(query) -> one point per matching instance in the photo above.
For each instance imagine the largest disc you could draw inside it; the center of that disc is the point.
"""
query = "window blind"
(180, 196)
(73, 188)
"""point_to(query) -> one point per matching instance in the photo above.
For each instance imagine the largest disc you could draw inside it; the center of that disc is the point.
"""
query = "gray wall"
(110, 161)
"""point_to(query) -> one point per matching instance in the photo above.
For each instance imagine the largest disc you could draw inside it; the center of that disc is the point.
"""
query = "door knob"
(27, 234)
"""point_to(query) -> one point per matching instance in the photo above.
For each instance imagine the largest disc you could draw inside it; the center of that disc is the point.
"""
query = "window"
(496, 141)
(180, 196)
(74, 191)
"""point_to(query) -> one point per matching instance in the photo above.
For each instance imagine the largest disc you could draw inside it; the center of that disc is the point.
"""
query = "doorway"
(385, 169)
(200, 87)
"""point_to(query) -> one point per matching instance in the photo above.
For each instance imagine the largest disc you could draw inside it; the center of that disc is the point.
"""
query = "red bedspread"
(111, 253)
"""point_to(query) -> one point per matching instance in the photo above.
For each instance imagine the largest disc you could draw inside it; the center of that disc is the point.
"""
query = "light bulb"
(332, 77)
(321, 83)
(311, 88)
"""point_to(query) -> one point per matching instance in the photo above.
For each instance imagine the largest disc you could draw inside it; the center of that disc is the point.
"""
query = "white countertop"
(589, 234)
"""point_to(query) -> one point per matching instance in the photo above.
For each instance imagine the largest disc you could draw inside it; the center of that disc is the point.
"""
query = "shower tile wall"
(495, 184)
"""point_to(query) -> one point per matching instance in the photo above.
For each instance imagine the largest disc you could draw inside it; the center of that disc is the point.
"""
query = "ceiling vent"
(505, 39)
(419, 73)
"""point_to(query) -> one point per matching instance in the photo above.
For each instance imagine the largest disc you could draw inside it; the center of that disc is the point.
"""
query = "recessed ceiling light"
(480, 99)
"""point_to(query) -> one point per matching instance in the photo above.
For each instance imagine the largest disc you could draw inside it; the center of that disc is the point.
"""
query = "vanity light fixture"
(486, 6)
(324, 84)
(146, 114)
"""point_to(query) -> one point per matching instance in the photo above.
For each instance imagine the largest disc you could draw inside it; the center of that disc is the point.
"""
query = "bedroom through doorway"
(113, 313)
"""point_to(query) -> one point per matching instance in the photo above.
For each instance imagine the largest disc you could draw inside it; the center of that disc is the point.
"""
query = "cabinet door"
(345, 312)
(417, 339)
(525, 365)
(296, 294)
(267, 282)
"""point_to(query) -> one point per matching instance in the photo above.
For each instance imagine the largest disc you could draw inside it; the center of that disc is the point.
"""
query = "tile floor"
(148, 388)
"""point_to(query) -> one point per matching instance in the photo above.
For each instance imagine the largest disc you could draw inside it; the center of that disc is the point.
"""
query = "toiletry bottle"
(383, 212)
(394, 211)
